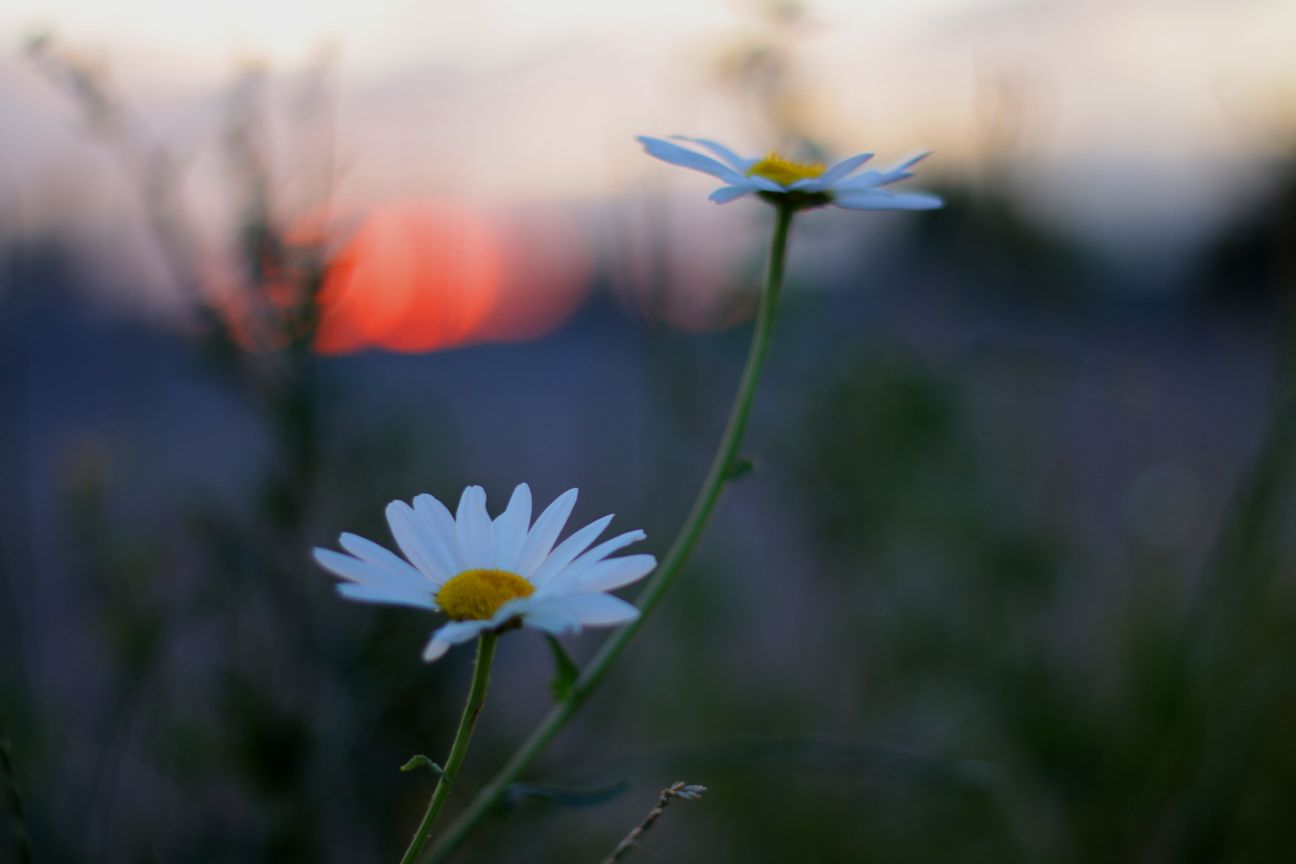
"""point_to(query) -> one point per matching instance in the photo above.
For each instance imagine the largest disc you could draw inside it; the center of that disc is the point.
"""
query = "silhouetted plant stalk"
(148, 165)
(1228, 639)
(1227, 642)
(14, 798)
(1248, 556)
(723, 468)
(262, 344)
(265, 344)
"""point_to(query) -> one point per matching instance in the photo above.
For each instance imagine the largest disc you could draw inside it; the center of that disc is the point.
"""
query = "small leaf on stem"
(740, 468)
(421, 761)
(565, 671)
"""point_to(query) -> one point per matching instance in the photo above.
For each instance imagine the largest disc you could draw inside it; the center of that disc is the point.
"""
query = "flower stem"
(667, 571)
(459, 749)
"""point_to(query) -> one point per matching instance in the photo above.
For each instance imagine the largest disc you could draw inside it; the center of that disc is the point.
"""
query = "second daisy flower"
(487, 574)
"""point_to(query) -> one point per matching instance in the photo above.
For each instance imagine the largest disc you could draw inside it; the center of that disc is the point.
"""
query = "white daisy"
(801, 184)
(491, 574)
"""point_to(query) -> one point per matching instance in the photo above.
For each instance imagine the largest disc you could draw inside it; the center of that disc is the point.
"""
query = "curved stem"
(671, 564)
(459, 749)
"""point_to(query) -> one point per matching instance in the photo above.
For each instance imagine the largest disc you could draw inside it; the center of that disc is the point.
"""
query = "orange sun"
(415, 277)
(422, 276)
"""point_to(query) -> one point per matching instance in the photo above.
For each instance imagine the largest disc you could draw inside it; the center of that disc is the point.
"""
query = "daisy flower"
(489, 574)
(802, 185)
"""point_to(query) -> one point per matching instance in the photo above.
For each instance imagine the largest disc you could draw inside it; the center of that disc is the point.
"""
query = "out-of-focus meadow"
(1013, 578)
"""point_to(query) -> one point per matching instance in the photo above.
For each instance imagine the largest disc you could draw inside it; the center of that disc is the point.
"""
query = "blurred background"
(1013, 578)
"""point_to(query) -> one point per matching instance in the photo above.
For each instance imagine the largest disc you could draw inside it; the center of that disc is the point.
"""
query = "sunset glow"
(427, 275)
(415, 277)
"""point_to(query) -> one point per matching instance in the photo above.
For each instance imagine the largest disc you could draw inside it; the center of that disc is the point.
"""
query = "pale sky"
(1136, 115)
(384, 35)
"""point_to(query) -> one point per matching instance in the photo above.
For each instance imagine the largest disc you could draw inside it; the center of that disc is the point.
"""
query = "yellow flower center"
(785, 172)
(476, 595)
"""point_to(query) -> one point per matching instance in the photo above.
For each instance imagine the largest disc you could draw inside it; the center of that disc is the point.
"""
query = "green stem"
(459, 749)
(667, 571)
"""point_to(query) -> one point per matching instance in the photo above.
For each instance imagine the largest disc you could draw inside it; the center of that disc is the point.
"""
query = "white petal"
(903, 166)
(735, 161)
(568, 550)
(809, 184)
(442, 535)
(415, 541)
(685, 158)
(553, 617)
(452, 633)
(876, 199)
(592, 565)
(518, 607)
(612, 573)
(511, 528)
(393, 595)
(842, 168)
(861, 182)
(765, 184)
(545, 531)
(599, 610)
(370, 572)
(607, 547)
(476, 533)
(725, 194)
(900, 171)
(372, 553)
(436, 649)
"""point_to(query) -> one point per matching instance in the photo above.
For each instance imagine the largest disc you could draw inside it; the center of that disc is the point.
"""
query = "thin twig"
(678, 789)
